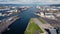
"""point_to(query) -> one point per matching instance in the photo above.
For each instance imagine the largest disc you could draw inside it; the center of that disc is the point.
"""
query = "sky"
(29, 1)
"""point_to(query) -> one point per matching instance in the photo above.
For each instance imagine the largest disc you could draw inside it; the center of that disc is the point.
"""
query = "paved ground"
(36, 32)
(42, 26)
(46, 26)
(54, 23)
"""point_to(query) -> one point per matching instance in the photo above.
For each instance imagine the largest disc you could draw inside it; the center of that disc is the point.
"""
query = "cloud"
(29, 1)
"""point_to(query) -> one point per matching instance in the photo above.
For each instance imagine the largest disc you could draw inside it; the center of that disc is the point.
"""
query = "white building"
(49, 15)
(54, 9)
(53, 31)
(40, 14)
(10, 11)
(13, 11)
(57, 14)
(0, 14)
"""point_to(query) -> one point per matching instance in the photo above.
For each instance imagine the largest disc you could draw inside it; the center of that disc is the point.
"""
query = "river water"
(19, 26)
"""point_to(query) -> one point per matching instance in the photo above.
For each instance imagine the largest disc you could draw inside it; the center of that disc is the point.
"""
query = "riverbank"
(6, 22)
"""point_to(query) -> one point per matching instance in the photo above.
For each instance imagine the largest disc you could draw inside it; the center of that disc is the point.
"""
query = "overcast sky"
(29, 1)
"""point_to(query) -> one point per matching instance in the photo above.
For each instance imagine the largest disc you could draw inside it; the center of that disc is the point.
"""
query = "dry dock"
(6, 22)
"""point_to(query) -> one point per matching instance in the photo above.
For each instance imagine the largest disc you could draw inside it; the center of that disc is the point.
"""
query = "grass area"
(43, 21)
(32, 27)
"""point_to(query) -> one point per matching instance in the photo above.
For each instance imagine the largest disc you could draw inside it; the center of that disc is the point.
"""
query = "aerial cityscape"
(29, 17)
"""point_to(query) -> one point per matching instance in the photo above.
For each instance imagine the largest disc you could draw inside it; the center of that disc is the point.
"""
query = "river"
(19, 26)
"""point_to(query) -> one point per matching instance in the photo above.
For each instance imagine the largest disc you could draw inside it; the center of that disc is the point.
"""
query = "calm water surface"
(19, 26)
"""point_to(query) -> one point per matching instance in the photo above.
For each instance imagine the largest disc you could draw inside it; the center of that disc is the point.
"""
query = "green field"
(32, 27)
